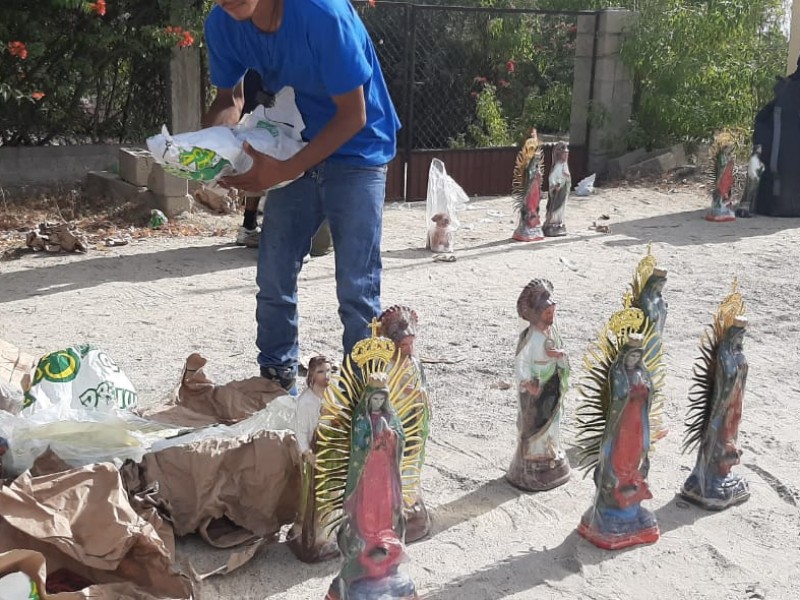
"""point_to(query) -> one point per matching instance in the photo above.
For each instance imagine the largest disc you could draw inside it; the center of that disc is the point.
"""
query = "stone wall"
(53, 165)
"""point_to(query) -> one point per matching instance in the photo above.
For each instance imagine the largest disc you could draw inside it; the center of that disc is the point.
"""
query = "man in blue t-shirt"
(322, 50)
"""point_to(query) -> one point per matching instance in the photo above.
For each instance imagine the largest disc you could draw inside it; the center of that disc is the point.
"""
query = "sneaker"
(248, 237)
(284, 376)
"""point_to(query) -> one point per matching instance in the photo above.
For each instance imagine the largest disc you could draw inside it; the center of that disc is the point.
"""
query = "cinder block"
(586, 24)
(584, 44)
(135, 165)
(162, 183)
(657, 165)
(609, 44)
(173, 205)
(679, 152)
(103, 184)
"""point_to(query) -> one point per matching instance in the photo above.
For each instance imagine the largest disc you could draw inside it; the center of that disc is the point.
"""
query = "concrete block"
(606, 68)
(173, 205)
(109, 185)
(679, 152)
(162, 183)
(586, 24)
(135, 165)
(658, 165)
(584, 45)
(618, 166)
(615, 20)
(609, 44)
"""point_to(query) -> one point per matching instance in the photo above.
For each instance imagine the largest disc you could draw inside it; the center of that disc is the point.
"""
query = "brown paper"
(253, 481)
(199, 401)
(82, 520)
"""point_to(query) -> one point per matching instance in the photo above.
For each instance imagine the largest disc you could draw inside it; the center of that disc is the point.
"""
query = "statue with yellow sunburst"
(368, 446)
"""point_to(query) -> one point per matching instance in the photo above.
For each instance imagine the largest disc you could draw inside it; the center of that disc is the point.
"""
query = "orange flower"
(98, 7)
(37, 95)
(18, 49)
(186, 41)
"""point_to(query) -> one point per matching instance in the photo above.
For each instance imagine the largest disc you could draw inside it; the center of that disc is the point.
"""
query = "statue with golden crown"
(400, 324)
(368, 455)
(615, 432)
(715, 410)
(526, 190)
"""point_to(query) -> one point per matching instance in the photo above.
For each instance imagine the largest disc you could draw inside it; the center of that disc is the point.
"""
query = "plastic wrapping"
(208, 154)
(444, 199)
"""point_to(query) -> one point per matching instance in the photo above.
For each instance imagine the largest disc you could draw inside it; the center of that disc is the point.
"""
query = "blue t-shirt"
(321, 49)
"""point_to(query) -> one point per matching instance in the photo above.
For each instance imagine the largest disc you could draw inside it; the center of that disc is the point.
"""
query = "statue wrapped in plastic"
(614, 423)
(559, 185)
(715, 410)
(368, 450)
(542, 376)
(400, 324)
(527, 190)
(721, 176)
(755, 168)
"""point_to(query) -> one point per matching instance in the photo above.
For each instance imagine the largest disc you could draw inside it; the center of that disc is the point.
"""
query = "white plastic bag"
(585, 186)
(208, 154)
(79, 377)
(444, 199)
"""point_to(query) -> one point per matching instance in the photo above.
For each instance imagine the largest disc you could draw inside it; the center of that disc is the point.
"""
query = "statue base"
(556, 230)
(614, 529)
(397, 586)
(524, 233)
(720, 493)
(538, 475)
(418, 521)
(319, 552)
(743, 213)
(720, 217)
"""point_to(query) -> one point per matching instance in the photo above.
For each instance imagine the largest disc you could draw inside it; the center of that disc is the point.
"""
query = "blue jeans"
(351, 198)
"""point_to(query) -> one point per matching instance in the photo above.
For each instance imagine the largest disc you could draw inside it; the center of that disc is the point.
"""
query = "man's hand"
(265, 173)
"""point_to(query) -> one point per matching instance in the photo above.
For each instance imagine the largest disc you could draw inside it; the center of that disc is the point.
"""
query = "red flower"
(37, 95)
(573, 29)
(511, 66)
(98, 7)
(185, 41)
(503, 83)
(372, 3)
(18, 49)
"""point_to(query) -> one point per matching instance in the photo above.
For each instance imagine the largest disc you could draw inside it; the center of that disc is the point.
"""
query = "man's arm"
(226, 109)
(350, 118)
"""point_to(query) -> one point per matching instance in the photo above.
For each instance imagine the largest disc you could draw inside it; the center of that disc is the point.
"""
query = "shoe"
(248, 237)
(285, 376)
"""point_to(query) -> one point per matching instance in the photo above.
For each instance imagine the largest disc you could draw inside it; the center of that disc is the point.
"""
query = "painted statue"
(559, 182)
(368, 438)
(399, 324)
(646, 294)
(755, 168)
(542, 375)
(614, 423)
(712, 425)
(308, 540)
(722, 180)
(527, 190)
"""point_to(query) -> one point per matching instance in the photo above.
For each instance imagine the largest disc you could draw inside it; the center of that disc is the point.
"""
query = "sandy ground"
(153, 302)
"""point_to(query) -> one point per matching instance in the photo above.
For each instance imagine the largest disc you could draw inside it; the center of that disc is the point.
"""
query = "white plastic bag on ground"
(444, 199)
(208, 154)
(585, 186)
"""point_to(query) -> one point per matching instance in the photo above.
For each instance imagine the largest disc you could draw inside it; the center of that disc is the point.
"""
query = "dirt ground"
(151, 303)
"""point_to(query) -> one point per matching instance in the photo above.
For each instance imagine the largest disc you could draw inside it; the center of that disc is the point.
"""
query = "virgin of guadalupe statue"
(400, 324)
(559, 185)
(308, 540)
(721, 176)
(368, 436)
(614, 424)
(715, 411)
(542, 376)
(527, 190)
(646, 293)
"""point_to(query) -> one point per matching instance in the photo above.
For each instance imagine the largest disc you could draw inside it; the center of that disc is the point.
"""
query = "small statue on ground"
(560, 183)
(441, 236)
(715, 410)
(722, 180)
(614, 424)
(399, 324)
(527, 190)
(309, 541)
(755, 168)
(542, 376)
(366, 442)
(646, 291)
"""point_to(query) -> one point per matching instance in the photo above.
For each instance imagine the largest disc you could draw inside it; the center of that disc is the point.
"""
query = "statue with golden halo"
(614, 423)
(400, 324)
(368, 446)
(715, 409)
(526, 190)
